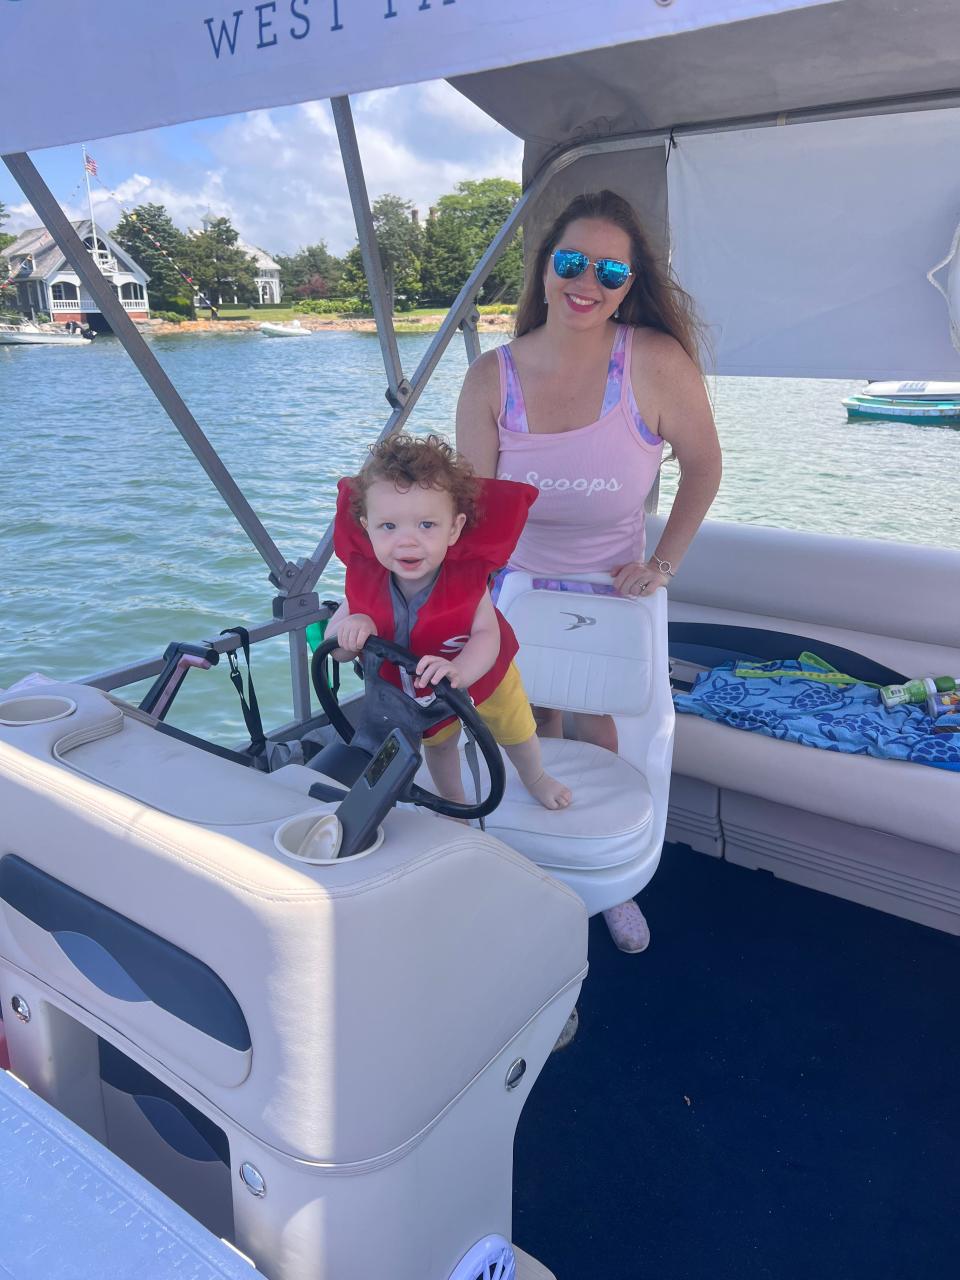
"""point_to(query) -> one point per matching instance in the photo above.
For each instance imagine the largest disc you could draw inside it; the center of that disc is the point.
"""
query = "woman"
(601, 326)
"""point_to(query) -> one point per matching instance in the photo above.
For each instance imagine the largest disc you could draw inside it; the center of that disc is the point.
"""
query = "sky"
(277, 174)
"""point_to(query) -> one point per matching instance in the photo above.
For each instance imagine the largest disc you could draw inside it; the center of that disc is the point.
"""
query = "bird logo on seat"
(579, 620)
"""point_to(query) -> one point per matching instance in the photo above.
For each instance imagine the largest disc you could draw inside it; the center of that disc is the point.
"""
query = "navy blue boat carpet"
(770, 1092)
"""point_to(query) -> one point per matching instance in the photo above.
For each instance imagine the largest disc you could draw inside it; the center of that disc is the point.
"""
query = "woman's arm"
(477, 410)
(686, 423)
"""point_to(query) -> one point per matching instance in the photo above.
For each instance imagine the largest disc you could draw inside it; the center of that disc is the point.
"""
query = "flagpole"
(93, 225)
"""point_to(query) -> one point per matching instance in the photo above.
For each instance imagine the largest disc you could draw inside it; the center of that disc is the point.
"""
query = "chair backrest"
(600, 654)
(581, 651)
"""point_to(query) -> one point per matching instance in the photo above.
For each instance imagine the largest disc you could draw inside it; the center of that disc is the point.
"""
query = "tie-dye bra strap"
(513, 415)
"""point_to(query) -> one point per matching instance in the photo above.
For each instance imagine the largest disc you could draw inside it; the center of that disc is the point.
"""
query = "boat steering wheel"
(386, 706)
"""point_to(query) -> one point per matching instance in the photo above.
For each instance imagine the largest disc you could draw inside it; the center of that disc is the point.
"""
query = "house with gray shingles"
(52, 285)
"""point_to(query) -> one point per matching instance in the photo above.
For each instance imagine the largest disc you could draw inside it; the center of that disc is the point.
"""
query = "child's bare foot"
(551, 793)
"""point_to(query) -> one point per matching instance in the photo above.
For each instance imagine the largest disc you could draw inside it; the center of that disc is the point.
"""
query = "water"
(115, 542)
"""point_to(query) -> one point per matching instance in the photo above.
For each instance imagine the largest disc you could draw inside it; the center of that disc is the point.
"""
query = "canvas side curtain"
(807, 247)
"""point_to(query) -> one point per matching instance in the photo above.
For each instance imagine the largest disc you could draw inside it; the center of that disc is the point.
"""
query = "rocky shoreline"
(316, 324)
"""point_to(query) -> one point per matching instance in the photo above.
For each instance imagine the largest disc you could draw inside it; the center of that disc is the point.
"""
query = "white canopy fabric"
(807, 247)
(118, 66)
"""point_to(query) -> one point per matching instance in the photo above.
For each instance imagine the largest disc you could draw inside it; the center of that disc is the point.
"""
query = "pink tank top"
(592, 480)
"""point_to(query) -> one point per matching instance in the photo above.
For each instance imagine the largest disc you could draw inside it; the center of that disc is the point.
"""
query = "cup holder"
(37, 708)
(315, 838)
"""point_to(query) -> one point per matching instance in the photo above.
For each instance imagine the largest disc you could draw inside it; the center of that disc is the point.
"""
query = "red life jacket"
(444, 622)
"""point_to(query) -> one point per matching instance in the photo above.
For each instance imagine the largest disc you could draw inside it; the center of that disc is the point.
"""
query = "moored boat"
(31, 335)
(881, 408)
(292, 330)
(335, 1106)
(915, 390)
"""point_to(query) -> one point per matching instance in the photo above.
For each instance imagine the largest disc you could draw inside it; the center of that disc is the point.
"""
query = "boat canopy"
(806, 247)
(201, 58)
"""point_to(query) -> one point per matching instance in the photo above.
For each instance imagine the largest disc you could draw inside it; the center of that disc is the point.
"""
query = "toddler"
(420, 535)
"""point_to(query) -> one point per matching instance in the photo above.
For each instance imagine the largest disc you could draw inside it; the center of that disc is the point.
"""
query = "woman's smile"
(578, 303)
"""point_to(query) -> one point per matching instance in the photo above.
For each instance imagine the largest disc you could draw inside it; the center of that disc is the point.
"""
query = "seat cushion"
(893, 796)
(605, 826)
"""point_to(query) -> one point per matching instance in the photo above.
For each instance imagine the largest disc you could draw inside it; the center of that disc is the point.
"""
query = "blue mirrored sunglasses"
(612, 274)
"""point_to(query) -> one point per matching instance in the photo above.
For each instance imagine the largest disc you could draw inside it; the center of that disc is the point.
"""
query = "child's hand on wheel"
(430, 669)
(354, 631)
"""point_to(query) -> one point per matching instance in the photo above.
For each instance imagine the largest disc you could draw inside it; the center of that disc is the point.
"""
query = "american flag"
(90, 164)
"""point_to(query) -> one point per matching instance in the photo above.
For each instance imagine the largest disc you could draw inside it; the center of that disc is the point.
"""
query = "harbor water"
(115, 542)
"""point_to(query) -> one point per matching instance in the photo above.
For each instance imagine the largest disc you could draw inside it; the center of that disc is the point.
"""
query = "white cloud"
(278, 176)
(416, 142)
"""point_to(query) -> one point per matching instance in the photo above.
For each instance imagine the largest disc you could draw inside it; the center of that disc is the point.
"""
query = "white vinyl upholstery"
(603, 655)
(383, 999)
(881, 832)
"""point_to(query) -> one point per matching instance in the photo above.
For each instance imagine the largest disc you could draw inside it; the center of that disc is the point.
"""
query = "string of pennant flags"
(26, 267)
(91, 167)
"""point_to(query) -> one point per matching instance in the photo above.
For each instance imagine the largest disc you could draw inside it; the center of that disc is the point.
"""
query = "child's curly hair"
(430, 462)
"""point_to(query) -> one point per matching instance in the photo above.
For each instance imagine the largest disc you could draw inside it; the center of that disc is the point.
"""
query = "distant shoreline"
(330, 324)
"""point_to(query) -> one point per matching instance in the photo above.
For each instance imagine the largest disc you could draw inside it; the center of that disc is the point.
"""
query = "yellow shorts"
(506, 713)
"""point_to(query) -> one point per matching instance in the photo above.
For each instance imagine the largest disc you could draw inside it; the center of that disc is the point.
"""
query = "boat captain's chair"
(601, 654)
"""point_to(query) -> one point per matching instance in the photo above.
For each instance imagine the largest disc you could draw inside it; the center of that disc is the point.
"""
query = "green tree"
(448, 256)
(311, 272)
(219, 268)
(5, 238)
(400, 242)
(8, 295)
(460, 229)
(149, 236)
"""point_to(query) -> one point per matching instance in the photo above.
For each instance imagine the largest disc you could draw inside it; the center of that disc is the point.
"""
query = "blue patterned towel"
(805, 702)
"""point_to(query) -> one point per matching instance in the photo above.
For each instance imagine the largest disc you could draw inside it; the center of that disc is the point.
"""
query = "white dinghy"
(292, 330)
(313, 1021)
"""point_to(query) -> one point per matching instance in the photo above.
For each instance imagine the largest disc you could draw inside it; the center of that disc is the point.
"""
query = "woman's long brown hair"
(654, 300)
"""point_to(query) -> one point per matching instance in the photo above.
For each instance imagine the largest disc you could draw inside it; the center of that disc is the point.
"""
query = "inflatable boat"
(296, 1012)
(292, 330)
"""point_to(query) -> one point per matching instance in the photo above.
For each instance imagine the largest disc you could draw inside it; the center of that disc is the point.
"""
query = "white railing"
(88, 304)
(105, 261)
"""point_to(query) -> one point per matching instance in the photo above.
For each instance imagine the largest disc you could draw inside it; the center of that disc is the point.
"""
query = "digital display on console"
(378, 765)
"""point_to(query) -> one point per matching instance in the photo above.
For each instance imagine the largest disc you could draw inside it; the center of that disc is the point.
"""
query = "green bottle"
(315, 634)
(916, 692)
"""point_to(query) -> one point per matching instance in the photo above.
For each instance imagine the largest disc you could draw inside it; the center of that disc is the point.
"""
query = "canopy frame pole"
(471, 338)
(398, 388)
(53, 218)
